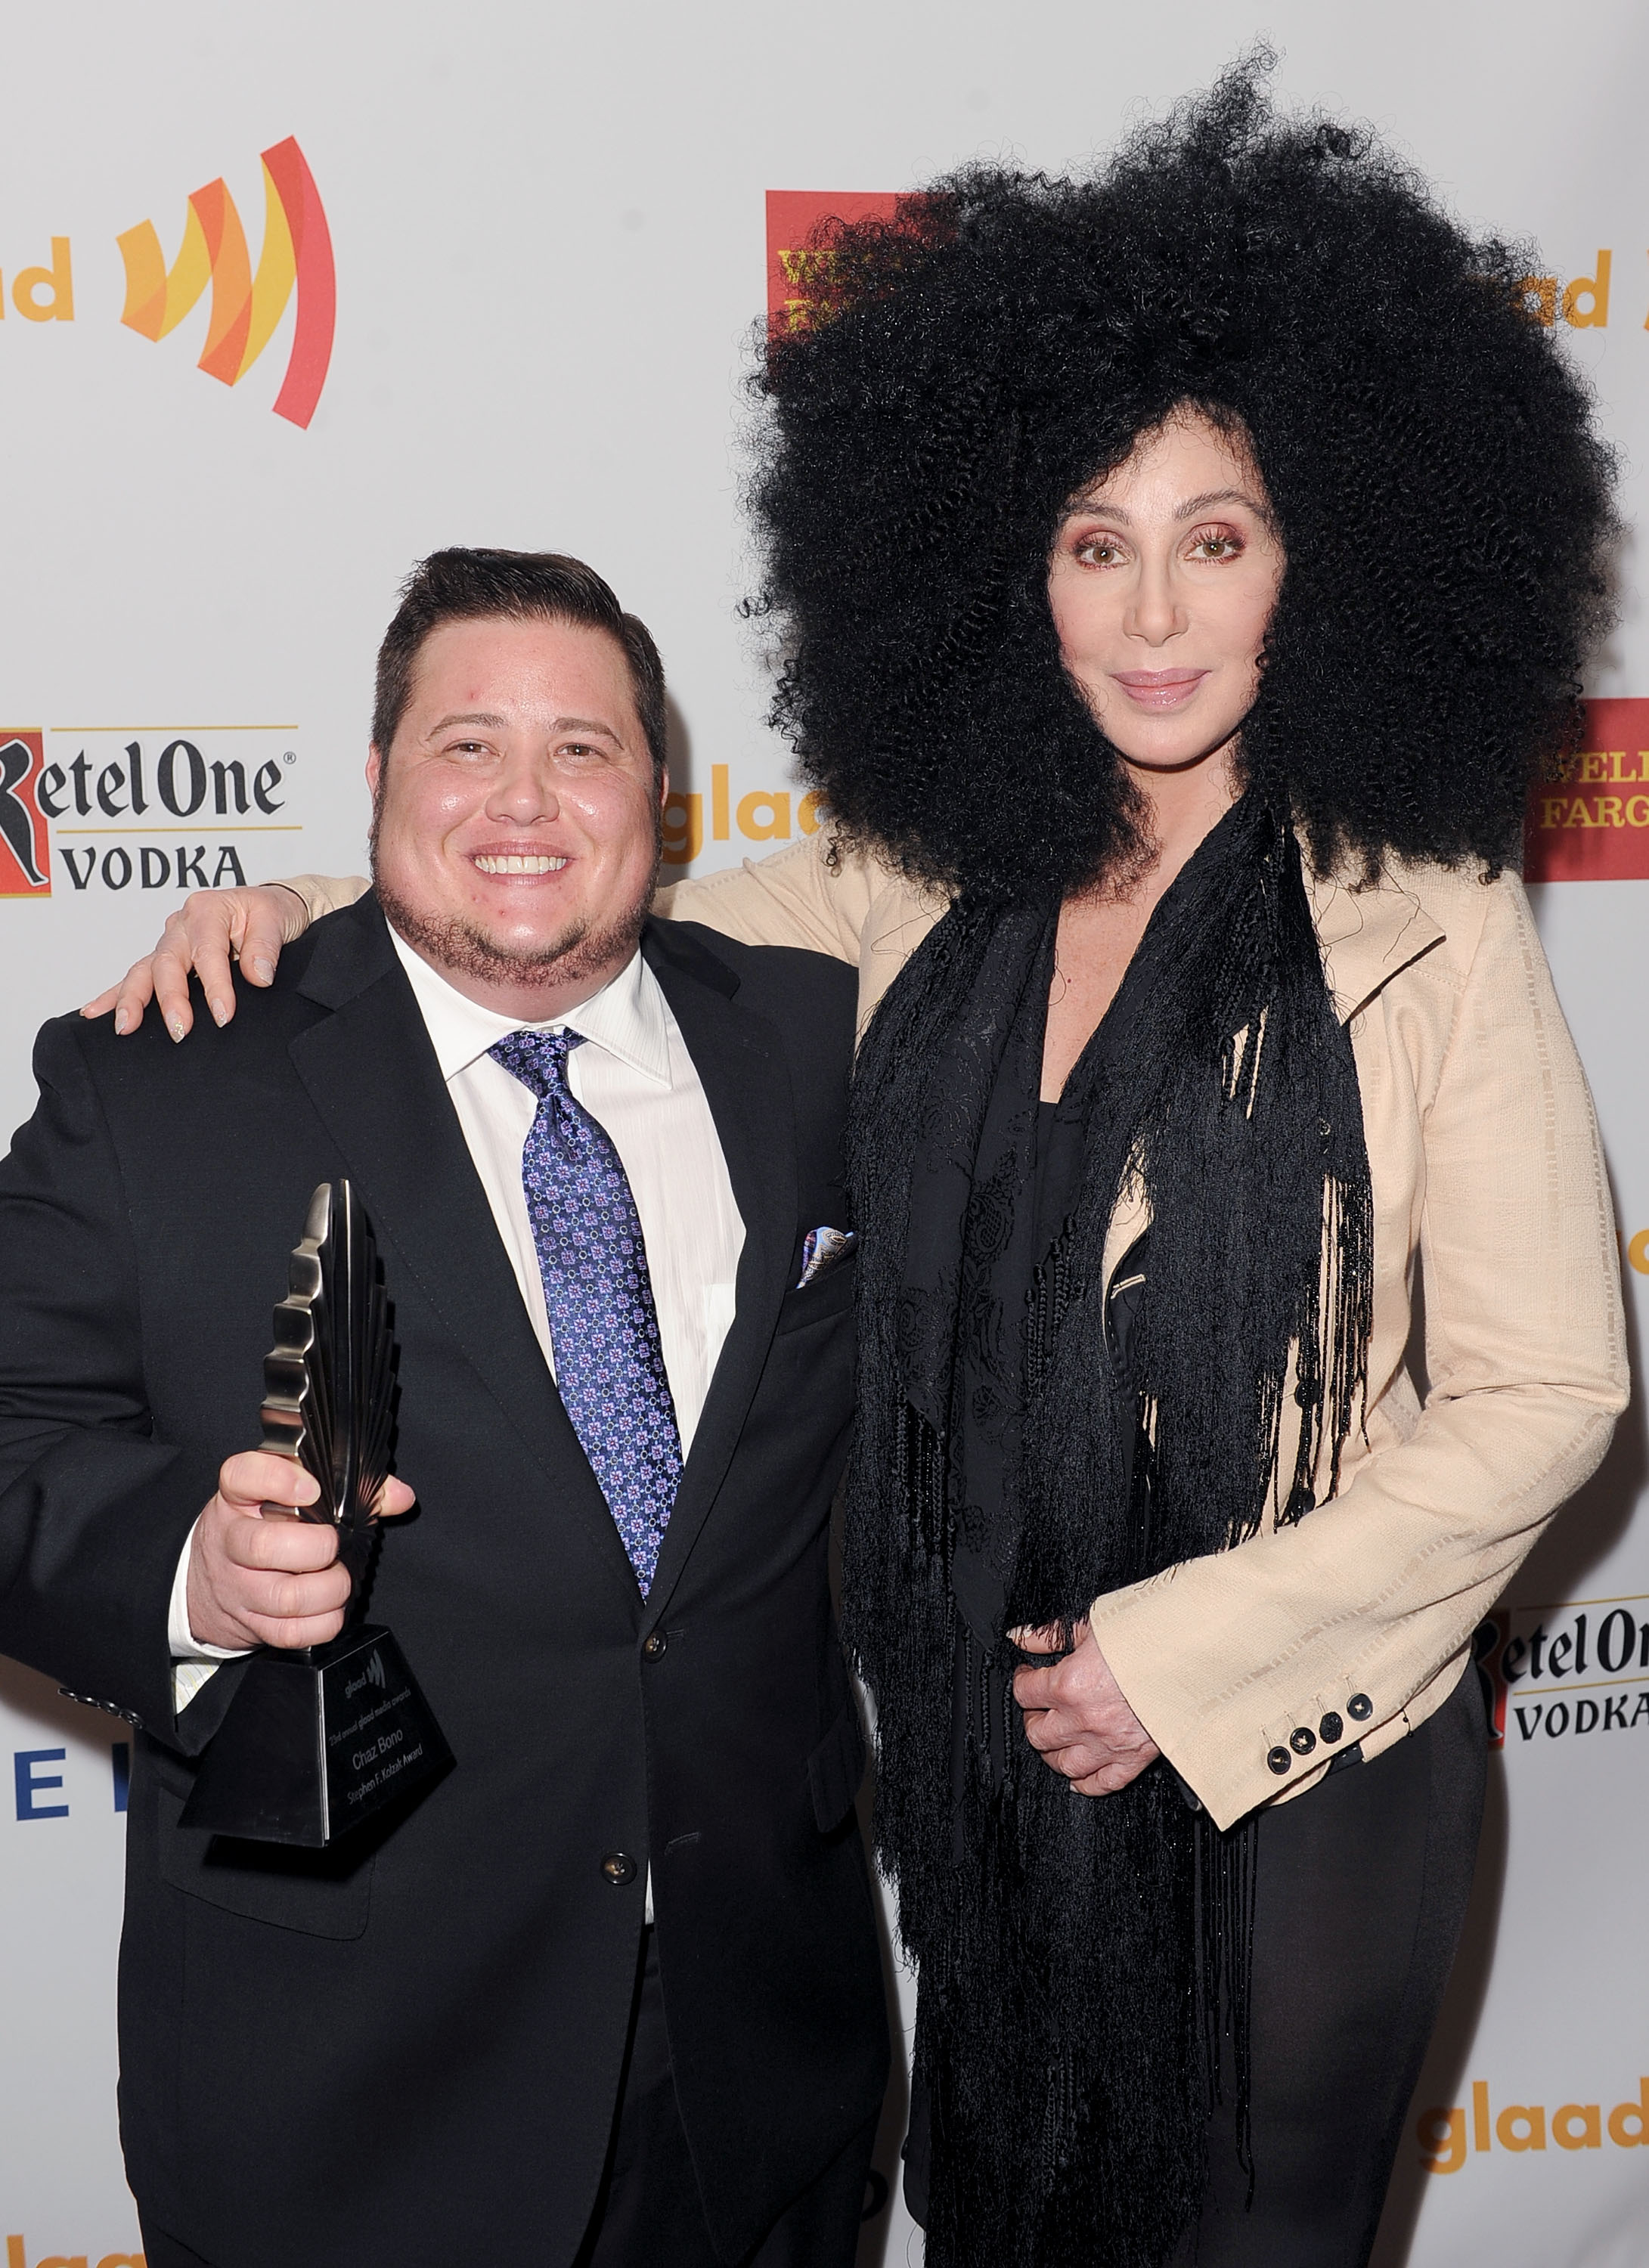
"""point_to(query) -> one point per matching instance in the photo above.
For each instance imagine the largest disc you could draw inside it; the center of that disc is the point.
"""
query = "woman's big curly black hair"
(1444, 501)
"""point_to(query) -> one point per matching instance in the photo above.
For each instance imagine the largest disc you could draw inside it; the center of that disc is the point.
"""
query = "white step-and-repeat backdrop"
(288, 299)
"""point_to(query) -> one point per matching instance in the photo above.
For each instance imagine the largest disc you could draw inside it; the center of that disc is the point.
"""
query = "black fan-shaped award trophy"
(319, 1738)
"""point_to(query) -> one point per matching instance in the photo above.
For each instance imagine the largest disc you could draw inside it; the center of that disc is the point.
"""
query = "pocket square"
(821, 1248)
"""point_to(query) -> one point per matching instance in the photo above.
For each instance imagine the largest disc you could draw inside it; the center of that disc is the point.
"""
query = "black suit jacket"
(409, 2049)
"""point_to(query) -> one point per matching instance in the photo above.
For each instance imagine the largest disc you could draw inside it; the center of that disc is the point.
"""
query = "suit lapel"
(746, 1084)
(372, 1077)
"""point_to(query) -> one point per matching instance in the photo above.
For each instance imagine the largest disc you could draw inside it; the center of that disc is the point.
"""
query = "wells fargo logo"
(105, 807)
(296, 256)
(1594, 826)
(798, 268)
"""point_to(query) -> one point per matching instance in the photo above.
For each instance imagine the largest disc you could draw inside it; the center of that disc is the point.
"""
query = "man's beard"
(586, 949)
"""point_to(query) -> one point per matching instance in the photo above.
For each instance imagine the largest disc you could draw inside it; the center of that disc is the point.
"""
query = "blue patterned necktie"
(603, 1328)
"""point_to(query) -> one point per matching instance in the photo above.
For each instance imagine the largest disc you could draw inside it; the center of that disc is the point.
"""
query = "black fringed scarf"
(1080, 1959)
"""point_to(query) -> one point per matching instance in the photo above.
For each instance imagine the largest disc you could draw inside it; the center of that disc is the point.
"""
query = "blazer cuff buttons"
(1302, 1741)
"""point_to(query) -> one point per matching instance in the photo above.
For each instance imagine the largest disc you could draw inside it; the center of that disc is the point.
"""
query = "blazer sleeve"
(325, 894)
(94, 1510)
(1366, 1609)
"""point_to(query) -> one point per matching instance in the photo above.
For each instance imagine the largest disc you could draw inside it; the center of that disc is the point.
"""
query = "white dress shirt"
(634, 1076)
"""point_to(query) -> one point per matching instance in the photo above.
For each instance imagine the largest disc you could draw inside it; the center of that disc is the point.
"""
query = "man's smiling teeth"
(513, 862)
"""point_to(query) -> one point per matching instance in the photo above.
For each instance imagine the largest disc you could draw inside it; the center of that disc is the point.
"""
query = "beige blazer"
(1253, 1667)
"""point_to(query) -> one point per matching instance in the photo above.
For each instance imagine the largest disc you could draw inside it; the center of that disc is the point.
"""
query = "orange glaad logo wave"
(246, 307)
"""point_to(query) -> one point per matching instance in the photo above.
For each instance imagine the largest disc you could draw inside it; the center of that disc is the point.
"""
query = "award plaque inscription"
(318, 1739)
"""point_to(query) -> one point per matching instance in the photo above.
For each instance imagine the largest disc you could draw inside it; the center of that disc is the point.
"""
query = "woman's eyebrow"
(1188, 510)
(1192, 505)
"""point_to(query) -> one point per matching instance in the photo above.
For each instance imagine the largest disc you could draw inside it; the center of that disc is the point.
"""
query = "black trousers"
(1360, 1898)
(648, 2213)
(1358, 1908)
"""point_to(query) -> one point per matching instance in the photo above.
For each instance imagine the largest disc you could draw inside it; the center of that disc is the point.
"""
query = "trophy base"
(315, 1744)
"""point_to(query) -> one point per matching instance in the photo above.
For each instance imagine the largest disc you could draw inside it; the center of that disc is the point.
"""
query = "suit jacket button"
(655, 1646)
(1359, 1706)
(1302, 1740)
(1280, 1760)
(619, 1867)
(1332, 1728)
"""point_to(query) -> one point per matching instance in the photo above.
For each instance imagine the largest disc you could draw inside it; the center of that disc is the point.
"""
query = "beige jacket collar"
(1368, 935)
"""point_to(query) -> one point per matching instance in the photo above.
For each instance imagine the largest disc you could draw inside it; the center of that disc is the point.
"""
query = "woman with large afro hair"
(1179, 574)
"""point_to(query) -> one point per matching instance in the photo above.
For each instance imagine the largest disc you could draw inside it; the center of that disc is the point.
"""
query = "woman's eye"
(1219, 545)
(1097, 551)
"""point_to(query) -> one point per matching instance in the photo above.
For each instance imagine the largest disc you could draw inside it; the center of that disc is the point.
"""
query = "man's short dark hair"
(521, 586)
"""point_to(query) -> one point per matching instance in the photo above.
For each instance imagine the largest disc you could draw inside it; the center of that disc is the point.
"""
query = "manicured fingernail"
(263, 970)
(220, 1012)
(123, 1019)
(174, 1025)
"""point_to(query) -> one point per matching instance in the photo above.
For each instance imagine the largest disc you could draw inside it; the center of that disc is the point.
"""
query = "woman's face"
(1163, 579)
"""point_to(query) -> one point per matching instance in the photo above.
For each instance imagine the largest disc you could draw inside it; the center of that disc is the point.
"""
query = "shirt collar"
(626, 1017)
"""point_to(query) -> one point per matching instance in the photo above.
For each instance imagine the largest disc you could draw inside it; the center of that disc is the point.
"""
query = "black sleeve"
(94, 1509)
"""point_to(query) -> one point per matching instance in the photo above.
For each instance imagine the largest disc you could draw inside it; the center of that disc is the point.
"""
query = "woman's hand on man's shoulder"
(210, 932)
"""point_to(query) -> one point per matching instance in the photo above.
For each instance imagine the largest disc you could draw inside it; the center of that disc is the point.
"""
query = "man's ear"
(374, 770)
(663, 785)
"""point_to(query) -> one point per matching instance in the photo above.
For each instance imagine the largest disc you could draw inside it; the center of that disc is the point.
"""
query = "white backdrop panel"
(548, 230)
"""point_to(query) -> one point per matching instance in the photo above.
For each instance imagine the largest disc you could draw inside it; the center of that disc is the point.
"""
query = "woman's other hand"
(1076, 1716)
(209, 929)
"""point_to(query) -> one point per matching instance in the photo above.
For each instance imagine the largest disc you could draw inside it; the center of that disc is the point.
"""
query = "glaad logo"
(17, 2258)
(296, 255)
(373, 1674)
(1521, 2126)
(762, 816)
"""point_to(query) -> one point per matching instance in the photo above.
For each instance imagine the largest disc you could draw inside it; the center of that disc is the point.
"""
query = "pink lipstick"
(1159, 688)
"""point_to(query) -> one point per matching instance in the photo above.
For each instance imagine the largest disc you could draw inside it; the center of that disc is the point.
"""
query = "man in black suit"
(610, 1992)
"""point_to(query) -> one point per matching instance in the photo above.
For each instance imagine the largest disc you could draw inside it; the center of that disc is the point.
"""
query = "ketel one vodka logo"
(112, 809)
(1564, 1672)
(25, 851)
